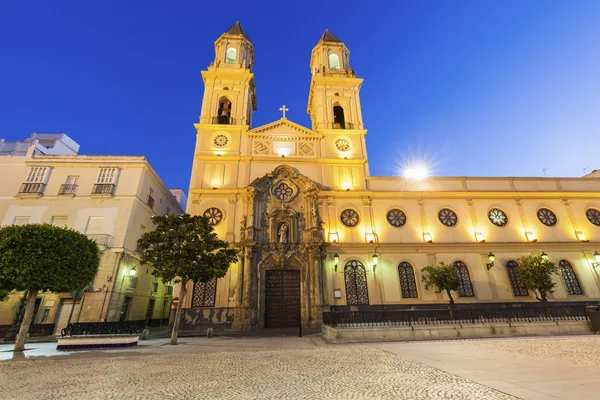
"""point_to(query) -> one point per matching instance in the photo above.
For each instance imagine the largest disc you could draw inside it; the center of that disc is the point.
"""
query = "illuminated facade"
(301, 200)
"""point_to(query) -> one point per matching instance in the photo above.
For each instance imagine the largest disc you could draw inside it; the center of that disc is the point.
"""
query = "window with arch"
(593, 215)
(230, 56)
(334, 61)
(465, 287)
(204, 293)
(515, 283)
(356, 283)
(569, 277)
(224, 112)
(408, 285)
(339, 121)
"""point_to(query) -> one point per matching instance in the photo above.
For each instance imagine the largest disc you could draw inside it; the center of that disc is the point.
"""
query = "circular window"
(343, 143)
(546, 217)
(593, 216)
(220, 140)
(497, 217)
(447, 217)
(396, 217)
(214, 215)
(283, 191)
(349, 218)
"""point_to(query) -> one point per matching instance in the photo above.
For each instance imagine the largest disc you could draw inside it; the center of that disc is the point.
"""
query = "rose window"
(593, 216)
(343, 144)
(396, 217)
(214, 215)
(283, 192)
(220, 140)
(349, 218)
(447, 217)
(497, 217)
(546, 217)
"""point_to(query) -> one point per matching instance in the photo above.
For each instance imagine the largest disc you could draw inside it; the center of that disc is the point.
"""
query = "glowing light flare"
(479, 237)
(334, 237)
(415, 172)
(427, 237)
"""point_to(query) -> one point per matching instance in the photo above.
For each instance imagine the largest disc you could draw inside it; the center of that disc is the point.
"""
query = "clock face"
(220, 140)
(343, 144)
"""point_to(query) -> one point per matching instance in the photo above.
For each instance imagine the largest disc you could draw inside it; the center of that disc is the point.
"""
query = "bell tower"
(333, 100)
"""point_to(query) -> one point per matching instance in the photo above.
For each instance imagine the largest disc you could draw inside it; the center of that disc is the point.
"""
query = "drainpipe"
(115, 275)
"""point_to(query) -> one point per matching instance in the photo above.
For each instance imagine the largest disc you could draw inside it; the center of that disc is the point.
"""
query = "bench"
(100, 335)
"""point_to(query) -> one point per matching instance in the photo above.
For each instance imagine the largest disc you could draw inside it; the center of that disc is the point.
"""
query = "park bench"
(100, 335)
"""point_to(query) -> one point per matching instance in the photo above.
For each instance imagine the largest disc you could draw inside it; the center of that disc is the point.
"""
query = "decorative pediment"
(284, 129)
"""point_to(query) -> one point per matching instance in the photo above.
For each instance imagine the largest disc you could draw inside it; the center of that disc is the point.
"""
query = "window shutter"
(95, 225)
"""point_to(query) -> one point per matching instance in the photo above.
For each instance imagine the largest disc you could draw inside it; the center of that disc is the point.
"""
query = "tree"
(185, 248)
(535, 274)
(444, 277)
(42, 257)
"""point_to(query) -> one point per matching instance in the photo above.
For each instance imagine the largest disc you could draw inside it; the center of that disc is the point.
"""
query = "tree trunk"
(27, 317)
(177, 319)
(451, 304)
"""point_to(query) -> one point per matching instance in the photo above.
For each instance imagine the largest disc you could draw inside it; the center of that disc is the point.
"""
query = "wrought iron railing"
(67, 189)
(223, 120)
(33, 188)
(103, 188)
(101, 239)
(479, 315)
(345, 125)
(103, 328)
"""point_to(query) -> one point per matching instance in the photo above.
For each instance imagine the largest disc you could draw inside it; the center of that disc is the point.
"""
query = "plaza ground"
(308, 368)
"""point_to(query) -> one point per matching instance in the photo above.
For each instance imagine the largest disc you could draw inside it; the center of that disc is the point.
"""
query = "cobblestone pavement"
(349, 372)
(577, 350)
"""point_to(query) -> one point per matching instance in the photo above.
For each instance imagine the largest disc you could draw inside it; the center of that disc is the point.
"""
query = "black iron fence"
(104, 328)
(33, 188)
(478, 315)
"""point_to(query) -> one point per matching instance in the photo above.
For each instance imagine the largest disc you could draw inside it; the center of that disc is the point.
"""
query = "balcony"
(67, 190)
(223, 120)
(103, 189)
(102, 240)
(32, 189)
(150, 202)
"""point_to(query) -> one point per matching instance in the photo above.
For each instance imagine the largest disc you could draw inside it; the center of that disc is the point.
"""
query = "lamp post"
(336, 260)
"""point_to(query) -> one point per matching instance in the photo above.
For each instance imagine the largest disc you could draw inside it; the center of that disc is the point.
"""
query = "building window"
(283, 191)
(546, 217)
(447, 217)
(36, 180)
(214, 215)
(224, 111)
(465, 287)
(70, 185)
(155, 285)
(150, 198)
(497, 217)
(339, 121)
(396, 217)
(408, 285)
(231, 56)
(569, 277)
(349, 218)
(205, 293)
(21, 220)
(593, 216)
(106, 181)
(356, 283)
(515, 283)
(334, 61)
(59, 221)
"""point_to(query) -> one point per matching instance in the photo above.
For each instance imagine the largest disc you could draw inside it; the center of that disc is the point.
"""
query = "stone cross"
(283, 109)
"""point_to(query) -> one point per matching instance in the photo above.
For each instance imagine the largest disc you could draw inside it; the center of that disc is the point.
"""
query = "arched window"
(339, 122)
(356, 283)
(334, 61)
(230, 56)
(204, 293)
(408, 286)
(465, 287)
(569, 277)
(515, 283)
(224, 112)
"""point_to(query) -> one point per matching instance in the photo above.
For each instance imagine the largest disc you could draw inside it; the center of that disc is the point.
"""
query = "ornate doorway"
(282, 298)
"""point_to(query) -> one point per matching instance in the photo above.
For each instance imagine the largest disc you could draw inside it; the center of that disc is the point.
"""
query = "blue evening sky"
(482, 88)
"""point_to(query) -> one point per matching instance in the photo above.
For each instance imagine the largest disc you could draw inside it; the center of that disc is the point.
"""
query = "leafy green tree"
(185, 248)
(535, 274)
(444, 278)
(42, 257)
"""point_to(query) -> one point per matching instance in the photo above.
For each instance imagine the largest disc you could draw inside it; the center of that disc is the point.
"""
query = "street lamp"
(491, 259)
(544, 256)
(375, 259)
(336, 260)
(132, 272)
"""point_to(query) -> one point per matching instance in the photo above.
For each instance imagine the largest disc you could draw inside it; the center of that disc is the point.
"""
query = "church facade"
(316, 230)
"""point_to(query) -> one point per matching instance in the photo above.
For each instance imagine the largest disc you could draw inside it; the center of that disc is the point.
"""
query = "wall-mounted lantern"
(375, 259)
(491, 259)
(597, 258)
(336, 260)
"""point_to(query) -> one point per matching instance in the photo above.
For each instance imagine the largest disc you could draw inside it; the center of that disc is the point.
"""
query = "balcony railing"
(224, 120)
(67, 189)
(103, 188)
(32, 188)
(150, 201)
(101, 239)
